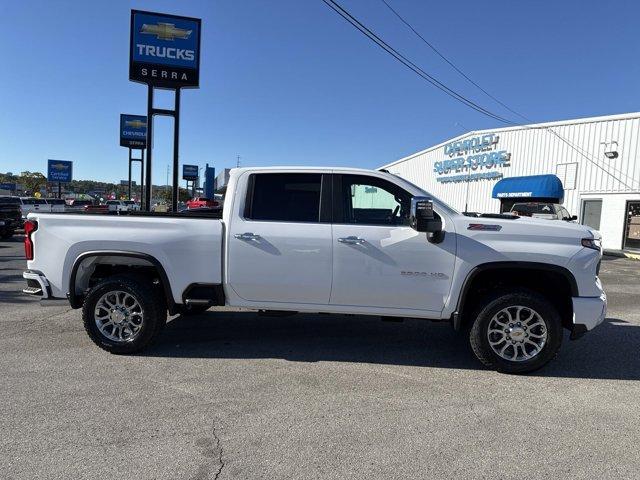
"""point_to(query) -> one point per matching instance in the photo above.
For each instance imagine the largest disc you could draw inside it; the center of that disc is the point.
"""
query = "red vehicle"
(198, 202)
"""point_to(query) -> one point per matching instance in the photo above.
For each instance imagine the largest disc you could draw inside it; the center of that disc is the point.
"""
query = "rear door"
(280, 243)
(378, 260)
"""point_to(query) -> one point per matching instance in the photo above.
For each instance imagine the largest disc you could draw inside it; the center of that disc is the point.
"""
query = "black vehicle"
(10, 216)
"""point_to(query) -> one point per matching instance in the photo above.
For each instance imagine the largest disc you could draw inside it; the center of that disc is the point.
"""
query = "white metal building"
(597, 159)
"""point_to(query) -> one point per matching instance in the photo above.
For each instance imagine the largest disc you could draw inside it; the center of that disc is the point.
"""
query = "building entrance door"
(632, 227)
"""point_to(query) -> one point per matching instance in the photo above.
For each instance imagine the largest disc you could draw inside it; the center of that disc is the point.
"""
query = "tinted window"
(286, 197)
(373, 201)
(55, 201)
(9, 200)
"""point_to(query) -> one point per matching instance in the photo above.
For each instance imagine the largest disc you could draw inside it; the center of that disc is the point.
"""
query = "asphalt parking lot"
(235, 395)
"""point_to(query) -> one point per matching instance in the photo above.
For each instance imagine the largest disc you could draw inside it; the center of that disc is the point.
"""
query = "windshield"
(412, 186)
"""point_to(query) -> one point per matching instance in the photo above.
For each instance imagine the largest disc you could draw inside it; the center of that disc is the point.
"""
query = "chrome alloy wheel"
(118, 316)
(517, 333)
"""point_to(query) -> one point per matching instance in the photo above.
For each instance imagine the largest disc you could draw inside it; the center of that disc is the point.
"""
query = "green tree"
(32, 181)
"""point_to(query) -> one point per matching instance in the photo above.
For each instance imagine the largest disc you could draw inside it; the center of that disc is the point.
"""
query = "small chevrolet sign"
(164, 50)
(133, 131)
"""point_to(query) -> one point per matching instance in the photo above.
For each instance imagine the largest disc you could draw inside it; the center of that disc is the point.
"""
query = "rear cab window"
(284, 197)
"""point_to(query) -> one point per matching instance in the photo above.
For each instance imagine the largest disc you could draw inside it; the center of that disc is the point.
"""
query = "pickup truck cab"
(330, 240)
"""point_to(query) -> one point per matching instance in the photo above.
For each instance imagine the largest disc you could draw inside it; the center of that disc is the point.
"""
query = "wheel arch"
(142, 259)
(556, 275)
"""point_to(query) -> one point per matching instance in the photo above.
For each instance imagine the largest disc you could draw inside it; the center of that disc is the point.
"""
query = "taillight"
(30, 226)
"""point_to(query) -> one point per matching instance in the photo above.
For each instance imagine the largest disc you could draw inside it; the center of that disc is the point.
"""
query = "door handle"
(247, 236)
(352, 240)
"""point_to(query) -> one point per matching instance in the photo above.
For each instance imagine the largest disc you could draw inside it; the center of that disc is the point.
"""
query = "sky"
(289, 82)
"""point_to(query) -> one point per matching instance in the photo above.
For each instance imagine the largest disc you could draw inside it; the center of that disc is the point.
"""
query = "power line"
(432, 47)
(409, 64)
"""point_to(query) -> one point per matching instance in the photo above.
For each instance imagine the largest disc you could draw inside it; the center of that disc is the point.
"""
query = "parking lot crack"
(220, 452)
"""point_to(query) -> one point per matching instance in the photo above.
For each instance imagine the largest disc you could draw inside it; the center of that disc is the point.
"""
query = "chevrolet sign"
(164, 50)
(133, 131)
(59, 171)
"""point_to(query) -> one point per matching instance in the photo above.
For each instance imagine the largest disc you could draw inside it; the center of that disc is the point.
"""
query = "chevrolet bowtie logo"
(59, 166)
(135, 123)
(165, 31)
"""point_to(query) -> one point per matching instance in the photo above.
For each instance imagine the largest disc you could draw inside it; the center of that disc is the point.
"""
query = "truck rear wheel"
(516, 332)
(123, 314)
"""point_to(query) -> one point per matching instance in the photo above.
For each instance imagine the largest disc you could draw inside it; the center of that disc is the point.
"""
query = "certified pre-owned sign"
(133, 131)
(59, 171)
(164, 50)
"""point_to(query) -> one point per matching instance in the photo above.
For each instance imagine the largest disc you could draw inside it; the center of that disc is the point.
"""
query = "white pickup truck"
(330, 240)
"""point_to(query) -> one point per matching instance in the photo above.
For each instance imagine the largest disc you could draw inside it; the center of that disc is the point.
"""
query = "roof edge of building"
(530, 126)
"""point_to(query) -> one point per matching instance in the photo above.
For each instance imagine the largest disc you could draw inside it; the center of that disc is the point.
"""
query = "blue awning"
(534, 186)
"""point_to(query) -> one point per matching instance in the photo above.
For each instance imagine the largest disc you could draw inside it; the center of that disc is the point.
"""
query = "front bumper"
(588, 313)
(37, 284)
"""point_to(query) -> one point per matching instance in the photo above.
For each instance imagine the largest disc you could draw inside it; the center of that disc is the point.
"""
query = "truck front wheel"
(123, 314)
(516, 332)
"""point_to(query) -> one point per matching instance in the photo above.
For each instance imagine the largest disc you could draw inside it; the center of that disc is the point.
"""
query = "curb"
(621, 254)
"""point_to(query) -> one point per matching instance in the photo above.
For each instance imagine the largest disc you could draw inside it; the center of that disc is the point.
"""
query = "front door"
(378, 260)
(280, 248)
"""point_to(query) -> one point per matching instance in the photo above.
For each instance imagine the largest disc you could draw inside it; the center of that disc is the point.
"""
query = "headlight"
(593, 243)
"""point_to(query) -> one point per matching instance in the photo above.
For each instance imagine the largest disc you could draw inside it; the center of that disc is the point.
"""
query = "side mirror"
(574, 217)
(422, 219)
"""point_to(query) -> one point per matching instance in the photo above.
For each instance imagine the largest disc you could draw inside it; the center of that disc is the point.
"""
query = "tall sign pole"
(190, 173)
(133, 135)
(164, 52)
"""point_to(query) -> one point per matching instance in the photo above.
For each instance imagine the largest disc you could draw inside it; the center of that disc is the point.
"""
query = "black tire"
(479, 336)
(193, 309)
(154, 313)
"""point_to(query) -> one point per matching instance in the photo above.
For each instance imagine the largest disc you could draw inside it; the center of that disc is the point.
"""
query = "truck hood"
(529, 239)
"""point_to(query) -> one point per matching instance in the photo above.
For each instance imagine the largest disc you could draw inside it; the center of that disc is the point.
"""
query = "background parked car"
(198, 202)
(116, 205)
(215, 212)
(131, 205)
(77, 205)
(550, 211)
(10, 216)
(58, 205)
(32, 204)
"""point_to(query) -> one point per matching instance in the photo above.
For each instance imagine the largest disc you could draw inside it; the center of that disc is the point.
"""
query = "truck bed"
(188, 246)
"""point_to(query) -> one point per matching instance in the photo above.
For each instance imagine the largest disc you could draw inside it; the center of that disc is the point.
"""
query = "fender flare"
(475, 271)
(75, 300)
